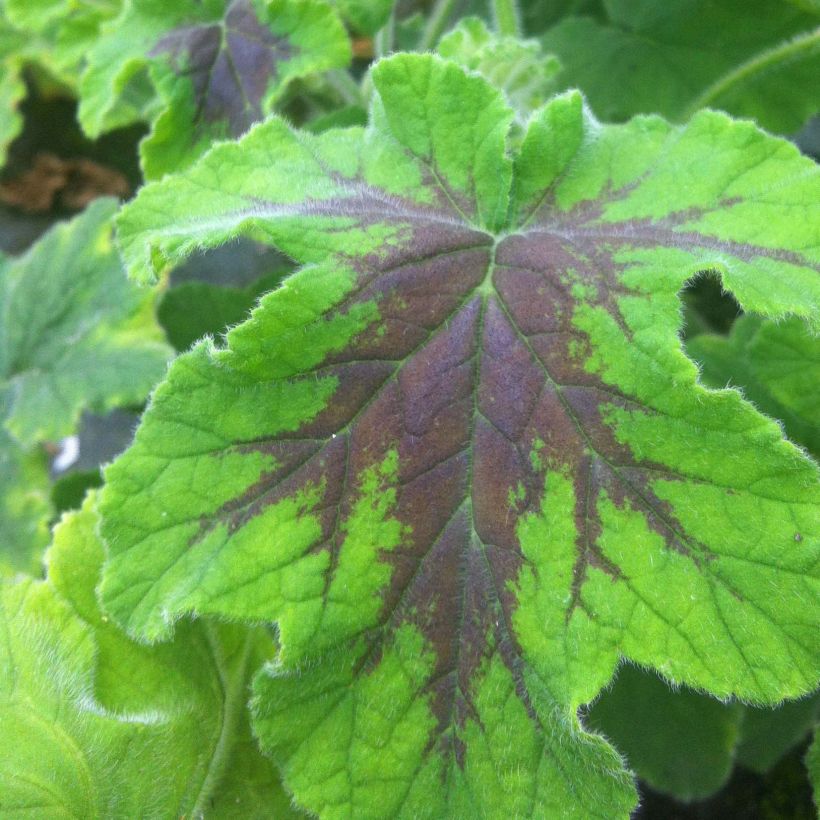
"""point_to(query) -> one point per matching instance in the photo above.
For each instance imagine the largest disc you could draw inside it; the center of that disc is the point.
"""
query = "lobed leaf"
(460, 458)
(752, 58)
(217, 67)
(75, 334)
(91, 719)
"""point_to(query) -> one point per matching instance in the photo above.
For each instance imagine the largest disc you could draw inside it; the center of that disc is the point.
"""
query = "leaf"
(91, 720)
(517, 67)
(684, 55)
(365, 16)
(218, 67)
(680, 742)
(24, 506)
(76, 334)
(767, 734)
(195, 309)
(775, 364)
(12, 91)
(460, 458)
(813, 766)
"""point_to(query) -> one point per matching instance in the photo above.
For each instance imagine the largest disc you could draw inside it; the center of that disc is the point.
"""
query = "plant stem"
(507, 17)
(758, 63)
(345, 86)
(436, 23)
(385, 40)
(233, 682)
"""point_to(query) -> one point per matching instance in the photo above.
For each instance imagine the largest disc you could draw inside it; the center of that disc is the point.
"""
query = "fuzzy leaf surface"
(75, 334)
(752, 58)
(92, 719)
(217, 67)
(776, 365)
(518, 67)
(460, 457)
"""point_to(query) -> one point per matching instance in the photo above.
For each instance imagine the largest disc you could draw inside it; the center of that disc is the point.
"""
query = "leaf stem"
(436, 23)
(233, 683)
(385, 40)
(507, 17)
(758, 63)
(345, 86)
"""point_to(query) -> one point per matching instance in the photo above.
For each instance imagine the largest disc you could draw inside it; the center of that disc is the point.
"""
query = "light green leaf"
(365, 16)
(679, 742)
(12, 91)
(218, 67)
(776, 365)
(24, 505)
(75, 334)
(517, 67)
(460, 458)
(752, 58)
(96, 726)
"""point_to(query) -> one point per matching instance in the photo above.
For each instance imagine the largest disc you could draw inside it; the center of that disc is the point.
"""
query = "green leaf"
(95, 725)
(775, 364)
(24, 506)
(813, 766)
(460, 457)
(196, 309)
(752, 58)
(680, 742)
(12, 91)
(767, 734)
(218, 67)
(75, 334)
(365, 16)
(517, 67)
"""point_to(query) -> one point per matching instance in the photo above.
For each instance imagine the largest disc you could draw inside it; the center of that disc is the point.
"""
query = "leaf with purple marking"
(217, 68)
(460, 458)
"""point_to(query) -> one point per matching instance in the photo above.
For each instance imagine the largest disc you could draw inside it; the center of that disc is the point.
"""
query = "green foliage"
(202, 71)
(87, 713)
(679, 742)
(492, 493)
(675, 57)
(482, 495)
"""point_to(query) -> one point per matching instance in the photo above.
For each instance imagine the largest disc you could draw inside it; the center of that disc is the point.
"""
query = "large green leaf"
(218, 67)
(775, 364)
(95, 725)
(75, 334)
(460, 458)
(753, 58)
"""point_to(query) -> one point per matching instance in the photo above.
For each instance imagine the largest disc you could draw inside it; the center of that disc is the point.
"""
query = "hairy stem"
(233, 680)
(757, 64)
(436, 23)
(507, 17)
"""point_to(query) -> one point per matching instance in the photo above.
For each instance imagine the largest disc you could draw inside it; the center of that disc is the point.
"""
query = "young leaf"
(74, 332)
(365, 16)
(752, 58)
(679, 742)
(218, 67)
(517, 67)
(24, 505)
(460, 458)
(95, 725)
(12, 91)
(777, 367)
